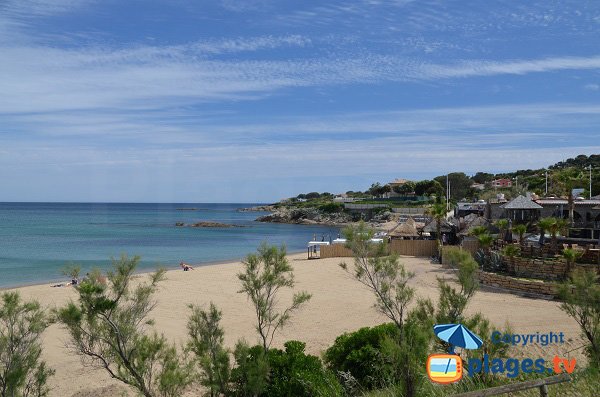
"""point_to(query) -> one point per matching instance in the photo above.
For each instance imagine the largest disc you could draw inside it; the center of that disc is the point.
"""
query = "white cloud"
(592, 87)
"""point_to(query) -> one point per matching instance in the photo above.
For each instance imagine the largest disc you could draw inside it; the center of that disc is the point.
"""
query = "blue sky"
(256, 100)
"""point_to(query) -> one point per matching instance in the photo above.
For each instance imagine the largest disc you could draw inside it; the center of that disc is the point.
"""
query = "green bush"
(283, 373)
(361, 354)
(331, 208)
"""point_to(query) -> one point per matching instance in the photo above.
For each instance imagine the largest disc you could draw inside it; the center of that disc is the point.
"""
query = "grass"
(585, 383)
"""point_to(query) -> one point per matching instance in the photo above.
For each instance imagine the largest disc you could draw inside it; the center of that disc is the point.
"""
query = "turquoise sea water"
(38, 239)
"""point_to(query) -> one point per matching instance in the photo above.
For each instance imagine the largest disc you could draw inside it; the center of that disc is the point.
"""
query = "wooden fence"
(426, 248)
(541, 384)
(335, 251)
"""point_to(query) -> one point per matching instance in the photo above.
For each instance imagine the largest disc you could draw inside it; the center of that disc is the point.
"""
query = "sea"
(37, 240)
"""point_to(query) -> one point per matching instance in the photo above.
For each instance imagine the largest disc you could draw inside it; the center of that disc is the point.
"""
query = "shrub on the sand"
(581, 301)
(109, 328)
(22, 372)
(360, 354)
(265, 274)
(282, 373)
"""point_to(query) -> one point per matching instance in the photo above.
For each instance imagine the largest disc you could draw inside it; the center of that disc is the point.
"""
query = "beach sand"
(339, 304)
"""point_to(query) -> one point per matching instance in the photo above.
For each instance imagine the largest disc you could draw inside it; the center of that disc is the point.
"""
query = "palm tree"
(558, 226)
(502, 224)
(570, 255)
(520, 230)
(485, 242)
(478, 231)
(438, 212)
(511, 251)
(544, 225)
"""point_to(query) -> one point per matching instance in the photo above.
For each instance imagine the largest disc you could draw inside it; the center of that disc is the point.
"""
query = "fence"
(426, 248)
(335, 251)
(541, 384)
(409, 211)
(349, 206)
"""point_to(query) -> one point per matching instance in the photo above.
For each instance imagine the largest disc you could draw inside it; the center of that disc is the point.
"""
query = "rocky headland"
(206, 224)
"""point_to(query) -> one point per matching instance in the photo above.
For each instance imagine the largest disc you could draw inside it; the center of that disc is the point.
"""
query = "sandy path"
(339, 304)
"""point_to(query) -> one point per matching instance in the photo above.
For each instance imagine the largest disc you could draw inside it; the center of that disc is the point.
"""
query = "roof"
(521, 203)
(406, 229)
(399, 181)
(446, 227)
(559, 201)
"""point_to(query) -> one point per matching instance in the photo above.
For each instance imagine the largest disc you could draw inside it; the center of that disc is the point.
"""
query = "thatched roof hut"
(406, 229)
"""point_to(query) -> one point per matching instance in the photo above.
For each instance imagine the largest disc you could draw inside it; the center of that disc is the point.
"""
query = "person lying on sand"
(186, 267)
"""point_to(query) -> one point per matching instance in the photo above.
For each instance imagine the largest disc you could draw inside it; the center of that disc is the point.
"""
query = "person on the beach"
(186, 267)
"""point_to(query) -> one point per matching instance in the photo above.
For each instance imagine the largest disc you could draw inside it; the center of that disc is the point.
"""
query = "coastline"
(174, 267)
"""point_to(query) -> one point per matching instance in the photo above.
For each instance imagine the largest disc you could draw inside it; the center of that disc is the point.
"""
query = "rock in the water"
(206, 224)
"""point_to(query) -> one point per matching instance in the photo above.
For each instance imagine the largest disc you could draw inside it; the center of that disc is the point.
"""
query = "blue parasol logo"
(457, 335)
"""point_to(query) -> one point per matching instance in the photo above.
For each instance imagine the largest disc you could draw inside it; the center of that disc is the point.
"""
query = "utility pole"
(447, 193)
(546, 183)
(590, 181)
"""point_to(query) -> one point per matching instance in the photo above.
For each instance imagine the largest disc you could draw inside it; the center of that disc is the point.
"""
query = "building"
(396, 183)
(501, 183)
(522, 210)
(463, 209)
(478, 186)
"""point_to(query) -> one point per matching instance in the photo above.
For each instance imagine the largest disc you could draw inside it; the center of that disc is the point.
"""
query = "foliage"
(429, 188)
(294, 373)
(381, 273)
(482, 177)
(452, 301)
(520, 230)
(485, 240)
(511, 250)
(206, 342)
(581, 301)
(22, 372)
(360, 354)
(250, 375)
(489, 260)
(265, 274)
(570, 255)
(456, 255)
(387, 278)
(379, 190)
(108, 327)
(502, 224)
(331, 208)
(460, 184)
(478, 231)
(554, 226)
(72, 271)
(405, 188)
(281, 373)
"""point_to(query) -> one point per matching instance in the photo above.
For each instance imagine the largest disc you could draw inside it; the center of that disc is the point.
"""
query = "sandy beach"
(339, 304)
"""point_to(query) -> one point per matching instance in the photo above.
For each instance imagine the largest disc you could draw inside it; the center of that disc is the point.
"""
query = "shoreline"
(339, 304)
(137, 272)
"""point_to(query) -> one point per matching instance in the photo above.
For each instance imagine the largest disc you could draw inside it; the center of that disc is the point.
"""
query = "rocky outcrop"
(259, 208)
(306, 216)
(205, 224)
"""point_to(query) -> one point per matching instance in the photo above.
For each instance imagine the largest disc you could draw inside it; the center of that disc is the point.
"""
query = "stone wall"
(535, 287)
(545, 269)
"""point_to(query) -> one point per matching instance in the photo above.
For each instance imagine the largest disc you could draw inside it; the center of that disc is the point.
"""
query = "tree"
(22, 372)
(520, 230)
(429, 188)
(460, 184)
(381, 273)
(502, 224)
(108, 329)
(581, 301)
(544, 225)
(265, 274)
(379, 190)
(406, 188)
(570, 255)
(387, 278)
(482, 177)
(554, 226)
(438, 213)
(206, 342)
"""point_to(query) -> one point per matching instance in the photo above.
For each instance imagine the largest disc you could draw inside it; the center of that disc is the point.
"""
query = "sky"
(257, 100)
